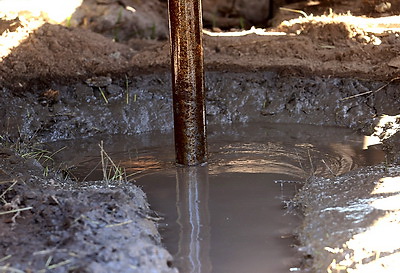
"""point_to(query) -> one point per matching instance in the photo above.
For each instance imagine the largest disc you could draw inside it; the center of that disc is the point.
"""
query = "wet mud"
(144, 103)
(253, 174)
(65, 82)
(360, 210)
(52, 224)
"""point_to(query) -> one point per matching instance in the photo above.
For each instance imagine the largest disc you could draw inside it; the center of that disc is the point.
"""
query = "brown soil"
(57, 69)
(61, 226)
(331, 45)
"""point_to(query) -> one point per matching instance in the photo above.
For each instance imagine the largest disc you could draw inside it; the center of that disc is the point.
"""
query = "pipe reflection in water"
(227, 216)
(193, 219)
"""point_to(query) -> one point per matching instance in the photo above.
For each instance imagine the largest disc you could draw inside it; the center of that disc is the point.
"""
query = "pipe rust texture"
(185, 22)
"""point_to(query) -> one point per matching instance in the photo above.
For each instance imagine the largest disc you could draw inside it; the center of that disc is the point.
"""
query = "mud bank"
(143, 103)
(350, 221)
(60, 82)
(49, 223)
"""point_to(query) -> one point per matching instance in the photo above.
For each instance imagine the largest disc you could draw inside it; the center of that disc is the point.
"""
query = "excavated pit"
(239, 205)
(143, 104)
(105, 72)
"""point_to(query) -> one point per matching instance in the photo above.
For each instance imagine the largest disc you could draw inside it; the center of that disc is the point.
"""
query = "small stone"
(101, 81)
(114, 90)
(49, 97)
(395, 62)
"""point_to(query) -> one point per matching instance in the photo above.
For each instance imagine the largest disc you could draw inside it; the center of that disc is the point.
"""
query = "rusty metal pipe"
(186, 44)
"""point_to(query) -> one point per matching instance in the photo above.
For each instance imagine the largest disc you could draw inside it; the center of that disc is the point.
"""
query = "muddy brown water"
(231, 215)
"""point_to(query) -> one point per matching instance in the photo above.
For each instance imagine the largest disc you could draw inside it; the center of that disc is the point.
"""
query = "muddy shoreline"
(67, 82)
(142, 104)
(60, 225)
(80, 111)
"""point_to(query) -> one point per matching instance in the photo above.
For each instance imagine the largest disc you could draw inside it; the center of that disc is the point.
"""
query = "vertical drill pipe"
(185, 24)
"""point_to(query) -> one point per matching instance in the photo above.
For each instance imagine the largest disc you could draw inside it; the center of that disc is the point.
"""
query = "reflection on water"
(226, 222)
(227, 216)
(193, 219)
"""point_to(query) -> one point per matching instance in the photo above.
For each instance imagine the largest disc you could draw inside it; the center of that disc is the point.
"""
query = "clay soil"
(47, 224)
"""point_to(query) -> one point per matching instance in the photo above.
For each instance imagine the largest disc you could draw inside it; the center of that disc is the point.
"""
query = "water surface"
(227, 216)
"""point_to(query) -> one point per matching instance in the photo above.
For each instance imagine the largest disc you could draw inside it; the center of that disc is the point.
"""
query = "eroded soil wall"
(105, 105)
(144, 104)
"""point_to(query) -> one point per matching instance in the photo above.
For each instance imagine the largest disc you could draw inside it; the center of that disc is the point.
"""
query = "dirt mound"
(327, 45)
(332, 29)
(123, 20)
(56, 53)
(334, 33)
